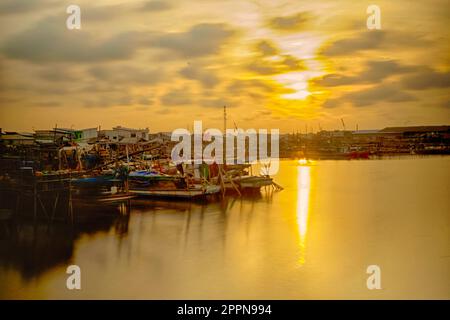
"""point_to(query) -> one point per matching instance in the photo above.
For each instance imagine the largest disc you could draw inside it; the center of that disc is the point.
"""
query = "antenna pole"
(224, 119)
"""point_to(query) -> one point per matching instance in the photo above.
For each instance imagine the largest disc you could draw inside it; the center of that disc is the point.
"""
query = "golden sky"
(276, 64)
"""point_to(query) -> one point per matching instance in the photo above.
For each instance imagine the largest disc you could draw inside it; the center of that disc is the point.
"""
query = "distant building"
(117, 134)
(365, 135)
(162, 136)
(84, 135)
(408, 131)
(55, 136)
(132, 133)
(16, 138)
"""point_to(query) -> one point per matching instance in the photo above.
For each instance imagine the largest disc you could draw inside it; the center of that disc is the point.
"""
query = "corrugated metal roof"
(415, 129)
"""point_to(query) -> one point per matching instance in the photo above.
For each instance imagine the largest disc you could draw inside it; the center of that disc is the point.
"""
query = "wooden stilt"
(222, 182)
(55, 204)
(43, 207)
(35, 201)
(70, 200)
(235, 187)
(17, 204)
(277, 186)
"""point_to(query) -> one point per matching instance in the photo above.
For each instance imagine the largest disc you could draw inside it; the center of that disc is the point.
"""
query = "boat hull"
(177, 193)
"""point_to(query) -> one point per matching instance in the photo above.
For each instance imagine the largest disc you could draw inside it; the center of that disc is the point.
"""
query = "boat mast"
(224, 119)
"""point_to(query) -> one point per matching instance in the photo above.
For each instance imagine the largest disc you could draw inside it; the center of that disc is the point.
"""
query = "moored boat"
(153, 184)
(254, 182)
(100, 189)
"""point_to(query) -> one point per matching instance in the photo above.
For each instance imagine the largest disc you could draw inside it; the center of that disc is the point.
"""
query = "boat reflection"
(34, 247)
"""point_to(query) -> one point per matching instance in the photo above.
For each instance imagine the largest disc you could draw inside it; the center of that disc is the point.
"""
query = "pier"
(60, 175)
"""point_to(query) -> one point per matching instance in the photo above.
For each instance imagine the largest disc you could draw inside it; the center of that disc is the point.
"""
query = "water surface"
(313, 240)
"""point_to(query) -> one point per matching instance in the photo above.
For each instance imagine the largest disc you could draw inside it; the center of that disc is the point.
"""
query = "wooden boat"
(100, 189)
(253, 182)
(247, 183)
(154, 184)
(237, 178)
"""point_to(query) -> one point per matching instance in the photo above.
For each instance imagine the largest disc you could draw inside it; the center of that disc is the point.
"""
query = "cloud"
(144, 101)
(267, 48)
(201, 40)
(117, 11)
(111, 100)
(445, 104)
(199, 73)
(375, 71)
(385, 92)
(50, 41)
(427, 78)
(47, 104)
(290, 23)
(363, 41)
(257, 92)
(216, 103)
(372, 40)
(267, 60)
(102, 12)
(58, 75)
(34, 86)
(176, 98)
(127, 74)
(22, 6)
(283, 64)
(371, 96)
(381, 69)
(247, 87)
(155, 5)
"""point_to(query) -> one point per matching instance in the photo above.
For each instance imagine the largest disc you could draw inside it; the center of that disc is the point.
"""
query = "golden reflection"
(303, 193)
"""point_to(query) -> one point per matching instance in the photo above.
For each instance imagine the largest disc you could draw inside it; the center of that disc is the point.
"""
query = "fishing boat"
(149, 183)
(104, 188)
(238, 178)
(253, 182)
(247, 183)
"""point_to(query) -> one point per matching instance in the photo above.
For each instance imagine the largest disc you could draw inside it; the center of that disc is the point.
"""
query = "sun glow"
(298, 83)
(305, 162)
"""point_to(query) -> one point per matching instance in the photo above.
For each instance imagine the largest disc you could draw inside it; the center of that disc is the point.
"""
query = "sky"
(161, 64)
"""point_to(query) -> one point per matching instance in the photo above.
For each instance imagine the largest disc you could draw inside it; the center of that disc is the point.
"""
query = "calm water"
(313, 240)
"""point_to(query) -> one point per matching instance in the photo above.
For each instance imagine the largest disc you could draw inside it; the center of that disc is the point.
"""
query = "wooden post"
(43, 207)
(35, 200)
(17, 203)
(59, 160)
(235, 187)
(70, 199)
(222, 183)
(54, 206)
(80, 164)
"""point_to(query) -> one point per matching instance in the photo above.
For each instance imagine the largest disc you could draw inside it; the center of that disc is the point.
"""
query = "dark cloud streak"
(294, 22)
(374, 40)
(368, 97)
(374, 72)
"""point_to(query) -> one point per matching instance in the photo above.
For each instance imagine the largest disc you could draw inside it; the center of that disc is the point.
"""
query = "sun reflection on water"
(303, 193)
